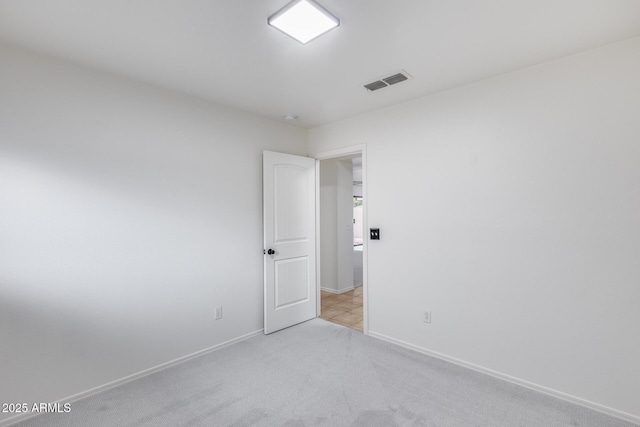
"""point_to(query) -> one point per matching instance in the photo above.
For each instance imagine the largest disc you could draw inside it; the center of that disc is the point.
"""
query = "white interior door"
(289, 240)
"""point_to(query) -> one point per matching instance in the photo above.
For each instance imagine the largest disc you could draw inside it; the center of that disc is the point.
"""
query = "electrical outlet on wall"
(218, 313)
(427, 317)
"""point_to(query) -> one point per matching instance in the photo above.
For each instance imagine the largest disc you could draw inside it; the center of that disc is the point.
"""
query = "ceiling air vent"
(397, 78)
(387, 81)
(376, 85)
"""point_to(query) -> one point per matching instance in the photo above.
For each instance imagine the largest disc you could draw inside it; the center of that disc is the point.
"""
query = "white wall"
(345, 225)
(329, 225)
(127, 213)
(520, 230)
(336, 225)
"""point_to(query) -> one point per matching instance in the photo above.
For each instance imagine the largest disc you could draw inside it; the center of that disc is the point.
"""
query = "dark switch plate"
(374, 233)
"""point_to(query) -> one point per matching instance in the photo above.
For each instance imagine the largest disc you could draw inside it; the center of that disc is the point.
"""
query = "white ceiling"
(224, 51)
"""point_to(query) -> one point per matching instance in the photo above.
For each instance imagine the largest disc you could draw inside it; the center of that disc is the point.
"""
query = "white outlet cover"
(427, 317)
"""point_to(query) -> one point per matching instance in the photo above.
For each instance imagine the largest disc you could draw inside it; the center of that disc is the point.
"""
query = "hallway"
(343, 309)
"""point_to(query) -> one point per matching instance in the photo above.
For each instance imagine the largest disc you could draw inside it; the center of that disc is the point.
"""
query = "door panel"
(289, 273)
(289, 231)
(290, 200)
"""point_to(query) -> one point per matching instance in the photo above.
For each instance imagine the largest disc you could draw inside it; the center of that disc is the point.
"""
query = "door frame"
(360, 149)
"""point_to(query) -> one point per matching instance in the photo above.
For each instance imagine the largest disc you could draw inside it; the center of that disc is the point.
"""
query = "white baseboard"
(132, 377)
(554, 393)
(337, 292)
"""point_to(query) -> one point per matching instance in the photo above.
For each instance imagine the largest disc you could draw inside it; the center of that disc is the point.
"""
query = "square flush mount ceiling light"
(304, 20)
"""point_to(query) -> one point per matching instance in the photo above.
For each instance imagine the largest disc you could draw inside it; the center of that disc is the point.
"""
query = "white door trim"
(360, 149)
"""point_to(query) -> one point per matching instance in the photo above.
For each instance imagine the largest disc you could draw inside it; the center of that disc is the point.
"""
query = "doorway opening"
(342, 246)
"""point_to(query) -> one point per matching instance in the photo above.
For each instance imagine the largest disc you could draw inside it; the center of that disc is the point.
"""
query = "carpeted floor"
(320, 374)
